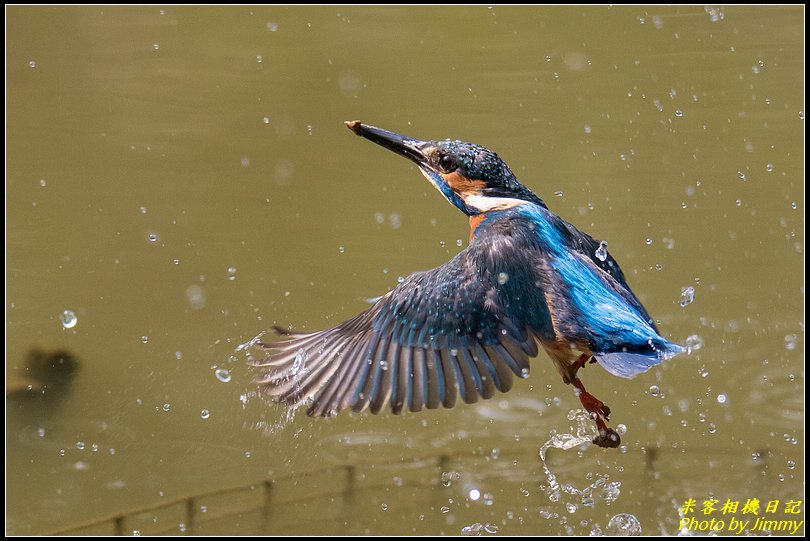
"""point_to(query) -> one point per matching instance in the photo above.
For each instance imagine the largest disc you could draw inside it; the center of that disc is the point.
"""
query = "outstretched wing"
(454, 330)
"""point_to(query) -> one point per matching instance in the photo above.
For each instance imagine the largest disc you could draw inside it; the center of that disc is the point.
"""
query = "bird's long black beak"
(404, 146)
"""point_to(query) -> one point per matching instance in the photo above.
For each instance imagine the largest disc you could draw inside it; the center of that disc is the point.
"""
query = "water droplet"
(711, 428)
(559, 193)
(152, 237)
(68, 319)
(448, 477)
(441, 243)
(715, 13)
(669, 243)
(259, 59)
(654, 390)
(32, 63)
(687, 296)
(166, 407)
(587, 128)
(722, 398)
(266, 119)
(298, 363)
(678, 113)
(223, 375)
(571, 507)
(144, 339)
(445, 509)
(495, 453)
(624, 524)
(473, 530)
(156, 46)
(459, 242)
(503, 278)
(195, 296)
(648, 241)
(384, 506)
(791, 464)
(80, 445)
(42, 182)
(395, 220)
(621, 429)
(741, 175)
(271, 26)
(341, 249)
(693, 343)
(475, 494)
(601, 252)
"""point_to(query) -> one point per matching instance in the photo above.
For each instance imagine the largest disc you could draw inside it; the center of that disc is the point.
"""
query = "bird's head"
(471, 177)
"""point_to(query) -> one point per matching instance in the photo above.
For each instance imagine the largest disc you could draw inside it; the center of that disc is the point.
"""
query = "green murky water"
(180, 179)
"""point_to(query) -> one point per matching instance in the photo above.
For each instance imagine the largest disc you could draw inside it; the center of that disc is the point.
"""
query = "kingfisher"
(464, 329)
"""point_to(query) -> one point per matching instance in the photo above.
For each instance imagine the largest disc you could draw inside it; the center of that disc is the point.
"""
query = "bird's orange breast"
(475, 221)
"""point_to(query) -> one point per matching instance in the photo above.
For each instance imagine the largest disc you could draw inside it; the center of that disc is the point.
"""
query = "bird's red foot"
(607, 437)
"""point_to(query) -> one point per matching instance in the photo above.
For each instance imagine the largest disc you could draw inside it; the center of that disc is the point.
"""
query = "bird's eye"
(446, 163)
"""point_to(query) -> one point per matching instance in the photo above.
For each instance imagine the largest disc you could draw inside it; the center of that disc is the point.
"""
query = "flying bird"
(464, 329)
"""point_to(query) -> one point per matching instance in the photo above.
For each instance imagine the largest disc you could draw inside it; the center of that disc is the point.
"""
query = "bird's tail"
(627, 364)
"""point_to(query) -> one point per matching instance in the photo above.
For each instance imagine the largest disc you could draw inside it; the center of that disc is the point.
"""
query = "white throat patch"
(486, 204)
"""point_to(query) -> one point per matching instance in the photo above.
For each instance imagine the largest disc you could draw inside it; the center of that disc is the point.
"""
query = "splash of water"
(250, 343)
(270, 427)
(585, 432)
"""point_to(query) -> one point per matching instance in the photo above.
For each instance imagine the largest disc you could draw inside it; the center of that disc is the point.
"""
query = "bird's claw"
(600, 413)
(608, 438)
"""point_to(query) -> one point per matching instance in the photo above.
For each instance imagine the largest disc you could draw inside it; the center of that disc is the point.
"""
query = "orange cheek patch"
(461, 184)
